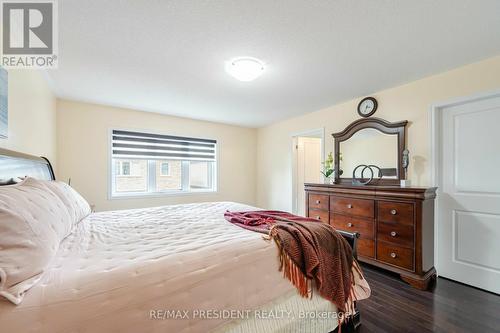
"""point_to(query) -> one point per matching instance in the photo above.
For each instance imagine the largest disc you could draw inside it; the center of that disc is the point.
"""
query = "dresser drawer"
(395, 212)
(396, 233)
(366, 248)
(318, 201)
(353, 224)
(395, 255)
(320, 215)
(355, 207)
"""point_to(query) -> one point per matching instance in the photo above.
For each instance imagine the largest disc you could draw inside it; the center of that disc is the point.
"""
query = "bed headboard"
(14, 165)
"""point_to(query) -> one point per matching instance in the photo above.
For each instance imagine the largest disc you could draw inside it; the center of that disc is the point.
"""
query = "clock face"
(367, 107)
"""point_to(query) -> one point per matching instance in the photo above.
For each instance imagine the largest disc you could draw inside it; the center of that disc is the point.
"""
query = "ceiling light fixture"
(245, 68)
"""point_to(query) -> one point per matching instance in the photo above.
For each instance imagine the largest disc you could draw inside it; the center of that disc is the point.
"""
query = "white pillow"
(77, 206)
(33, 222)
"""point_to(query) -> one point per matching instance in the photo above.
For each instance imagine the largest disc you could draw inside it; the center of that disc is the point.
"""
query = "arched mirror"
(370, 141)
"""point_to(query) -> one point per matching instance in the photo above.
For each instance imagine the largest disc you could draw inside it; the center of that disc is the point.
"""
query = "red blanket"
(308, 251)
(262, 220)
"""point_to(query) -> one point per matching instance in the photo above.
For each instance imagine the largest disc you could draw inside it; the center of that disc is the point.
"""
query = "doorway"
(466, 160)
(308, 156)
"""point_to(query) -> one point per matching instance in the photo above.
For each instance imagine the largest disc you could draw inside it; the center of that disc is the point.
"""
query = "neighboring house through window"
(165, 169)
(123, 168)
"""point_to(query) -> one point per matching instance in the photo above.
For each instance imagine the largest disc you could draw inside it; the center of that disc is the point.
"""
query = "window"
(200, 174)
(125, 168)
(130, 176)
(172, 180)
(122, 168)
(152, 164)
(164, 169)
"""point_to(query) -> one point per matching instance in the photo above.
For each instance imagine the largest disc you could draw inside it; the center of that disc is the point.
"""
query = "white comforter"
(119, 266)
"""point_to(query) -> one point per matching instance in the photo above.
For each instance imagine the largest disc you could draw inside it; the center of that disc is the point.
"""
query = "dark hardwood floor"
(449, 307)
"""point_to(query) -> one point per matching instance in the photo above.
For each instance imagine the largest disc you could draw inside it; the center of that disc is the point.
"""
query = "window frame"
(151, 168)
(119, 170)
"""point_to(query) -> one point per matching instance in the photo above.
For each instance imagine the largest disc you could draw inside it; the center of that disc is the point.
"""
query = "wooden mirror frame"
(398, 128)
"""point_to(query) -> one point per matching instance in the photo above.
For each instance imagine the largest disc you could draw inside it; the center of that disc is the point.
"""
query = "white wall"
(407, 102)
(32, 115)
(83, 153)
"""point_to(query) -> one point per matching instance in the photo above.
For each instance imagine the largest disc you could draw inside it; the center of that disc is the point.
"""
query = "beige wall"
(410, 101)
(82, 147)
(32, 115)
(83, 153)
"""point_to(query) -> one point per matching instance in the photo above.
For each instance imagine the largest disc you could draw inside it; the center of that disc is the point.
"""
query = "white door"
(468, 224)
(308, 167)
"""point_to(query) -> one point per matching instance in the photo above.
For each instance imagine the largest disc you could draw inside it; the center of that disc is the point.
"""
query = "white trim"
(161, 194)
(436, 145)
(111, 165)
(320, 132)
(150, 169)
(185, 178)
(316, 133)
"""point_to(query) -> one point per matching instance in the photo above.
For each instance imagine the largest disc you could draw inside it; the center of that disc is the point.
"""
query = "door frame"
(436, 151)
(314, 133)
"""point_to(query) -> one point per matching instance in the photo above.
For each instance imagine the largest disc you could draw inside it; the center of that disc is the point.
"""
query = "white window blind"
(137, 145)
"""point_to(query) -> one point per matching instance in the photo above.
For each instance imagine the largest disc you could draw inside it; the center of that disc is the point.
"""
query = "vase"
(329, 180)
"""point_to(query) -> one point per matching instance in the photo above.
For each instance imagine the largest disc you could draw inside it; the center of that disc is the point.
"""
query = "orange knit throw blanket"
(309, 251)
(316, 252)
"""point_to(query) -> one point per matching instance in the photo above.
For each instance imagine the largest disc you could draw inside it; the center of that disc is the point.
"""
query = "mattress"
(152, 270)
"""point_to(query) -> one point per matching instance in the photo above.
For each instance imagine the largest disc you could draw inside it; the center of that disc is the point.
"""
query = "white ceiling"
(168, 56)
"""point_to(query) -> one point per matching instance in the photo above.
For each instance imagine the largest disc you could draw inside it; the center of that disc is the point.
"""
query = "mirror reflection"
(370, 146)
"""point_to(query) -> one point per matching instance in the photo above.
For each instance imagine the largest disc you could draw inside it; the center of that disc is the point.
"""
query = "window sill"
(160, 194)
(129, 176)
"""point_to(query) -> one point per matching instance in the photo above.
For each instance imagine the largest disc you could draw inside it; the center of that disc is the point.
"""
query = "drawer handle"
(393, 233)
(318, 202)
(393, 255)
(349, 224)
(318, 217)
(394, 212)
(349, 206)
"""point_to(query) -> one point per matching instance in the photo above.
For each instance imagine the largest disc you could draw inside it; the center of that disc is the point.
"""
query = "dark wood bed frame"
(25, 164)
(353, 324)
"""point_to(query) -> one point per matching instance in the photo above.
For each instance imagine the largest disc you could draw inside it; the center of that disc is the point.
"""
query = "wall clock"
(367, 106)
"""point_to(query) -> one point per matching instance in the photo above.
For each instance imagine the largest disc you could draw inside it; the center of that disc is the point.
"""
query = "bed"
(179, 268)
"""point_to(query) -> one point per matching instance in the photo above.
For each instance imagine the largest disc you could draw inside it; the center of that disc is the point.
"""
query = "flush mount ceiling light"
(245, 68)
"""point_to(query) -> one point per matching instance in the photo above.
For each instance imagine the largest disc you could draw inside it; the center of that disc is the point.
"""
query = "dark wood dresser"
(396, 225)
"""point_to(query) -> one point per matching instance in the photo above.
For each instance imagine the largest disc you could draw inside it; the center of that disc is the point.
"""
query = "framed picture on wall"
(4, 119)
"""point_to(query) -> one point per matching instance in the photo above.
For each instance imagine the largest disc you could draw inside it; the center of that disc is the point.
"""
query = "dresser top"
(374, 190)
